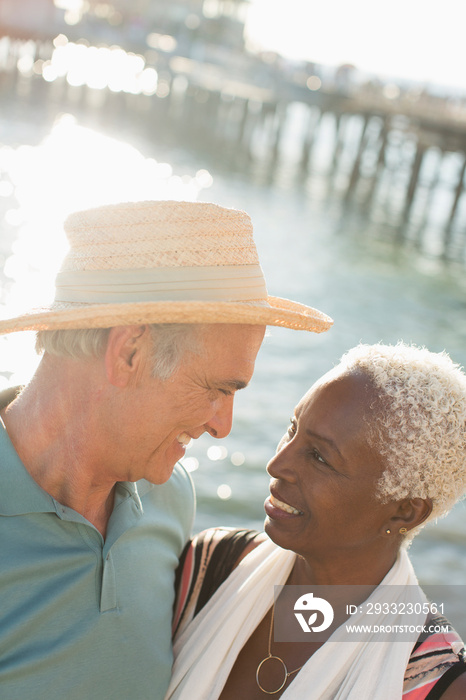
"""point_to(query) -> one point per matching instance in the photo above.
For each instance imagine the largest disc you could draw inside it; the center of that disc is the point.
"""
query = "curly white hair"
(420, 424)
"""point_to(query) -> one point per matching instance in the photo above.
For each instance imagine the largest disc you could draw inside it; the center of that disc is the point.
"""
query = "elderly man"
(159, 313)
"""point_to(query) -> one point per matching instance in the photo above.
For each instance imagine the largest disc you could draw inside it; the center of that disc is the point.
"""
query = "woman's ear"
(411, 513)
(123, 355)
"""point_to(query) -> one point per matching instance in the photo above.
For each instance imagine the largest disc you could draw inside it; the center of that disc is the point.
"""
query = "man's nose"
(219, 425)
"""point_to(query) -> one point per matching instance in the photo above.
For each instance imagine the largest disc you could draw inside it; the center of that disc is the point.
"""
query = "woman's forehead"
(340, 385)
(340, 411)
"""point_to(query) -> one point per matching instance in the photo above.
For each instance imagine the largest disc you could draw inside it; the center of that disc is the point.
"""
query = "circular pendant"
(285, 671)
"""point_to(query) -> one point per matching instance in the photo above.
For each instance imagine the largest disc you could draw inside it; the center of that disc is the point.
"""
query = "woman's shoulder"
(223, 537)
(220, 549)
(206, 562)
(437, 660)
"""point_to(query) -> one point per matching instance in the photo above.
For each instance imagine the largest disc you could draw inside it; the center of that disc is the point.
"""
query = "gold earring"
(403, 530)
(388, 531)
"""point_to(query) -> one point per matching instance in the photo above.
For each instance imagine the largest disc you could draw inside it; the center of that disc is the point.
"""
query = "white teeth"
(184, 439)
(284, 506)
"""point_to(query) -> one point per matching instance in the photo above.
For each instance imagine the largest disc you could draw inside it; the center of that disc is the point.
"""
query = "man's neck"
(53, 428)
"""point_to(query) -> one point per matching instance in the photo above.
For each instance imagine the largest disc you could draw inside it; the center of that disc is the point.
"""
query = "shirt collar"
(19, 493)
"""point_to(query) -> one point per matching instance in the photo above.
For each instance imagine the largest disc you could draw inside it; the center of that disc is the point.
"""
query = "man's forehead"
(220, 330)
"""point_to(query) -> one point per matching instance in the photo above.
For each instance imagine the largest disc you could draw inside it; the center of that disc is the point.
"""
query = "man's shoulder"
(174, 500)
(177, 493)
(179, 482)
(181, 478)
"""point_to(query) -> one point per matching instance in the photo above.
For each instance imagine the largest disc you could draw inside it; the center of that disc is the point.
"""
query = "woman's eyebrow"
(329, 441)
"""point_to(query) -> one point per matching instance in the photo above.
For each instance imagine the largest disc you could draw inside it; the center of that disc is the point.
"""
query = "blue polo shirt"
(82, 618)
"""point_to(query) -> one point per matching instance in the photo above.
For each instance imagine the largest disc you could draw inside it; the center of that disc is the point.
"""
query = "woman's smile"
(278, 509)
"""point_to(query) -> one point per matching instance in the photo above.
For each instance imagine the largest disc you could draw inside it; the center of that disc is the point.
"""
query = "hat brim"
(277, 312)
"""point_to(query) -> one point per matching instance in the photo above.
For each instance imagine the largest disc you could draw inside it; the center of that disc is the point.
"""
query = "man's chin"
(160, 472)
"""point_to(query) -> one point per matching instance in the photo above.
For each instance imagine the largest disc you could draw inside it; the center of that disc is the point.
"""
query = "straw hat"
(163, 262)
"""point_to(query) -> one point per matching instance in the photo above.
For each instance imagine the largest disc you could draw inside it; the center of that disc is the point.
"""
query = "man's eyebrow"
(329, 441)
(232, 385)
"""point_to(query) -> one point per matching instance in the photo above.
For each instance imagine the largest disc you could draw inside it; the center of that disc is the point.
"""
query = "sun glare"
(418, 40)
(73, 168)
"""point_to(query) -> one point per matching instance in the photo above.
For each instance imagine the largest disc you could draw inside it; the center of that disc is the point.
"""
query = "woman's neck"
(357, 568)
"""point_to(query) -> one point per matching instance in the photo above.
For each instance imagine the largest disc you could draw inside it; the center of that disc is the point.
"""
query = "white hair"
(418, 421)
(170, 343)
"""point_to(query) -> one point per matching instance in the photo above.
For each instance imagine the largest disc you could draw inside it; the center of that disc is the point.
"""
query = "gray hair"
(419, 421)
(170, 343)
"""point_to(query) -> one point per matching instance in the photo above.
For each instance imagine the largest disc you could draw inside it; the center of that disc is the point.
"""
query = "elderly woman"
(375, 449)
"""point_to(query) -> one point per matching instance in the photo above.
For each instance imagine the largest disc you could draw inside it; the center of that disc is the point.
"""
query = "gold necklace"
(272, 656)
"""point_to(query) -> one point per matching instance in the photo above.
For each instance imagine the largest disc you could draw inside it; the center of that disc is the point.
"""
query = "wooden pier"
(413, 141)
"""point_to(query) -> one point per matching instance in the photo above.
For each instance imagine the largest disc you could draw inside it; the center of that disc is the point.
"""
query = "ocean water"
(313, 248)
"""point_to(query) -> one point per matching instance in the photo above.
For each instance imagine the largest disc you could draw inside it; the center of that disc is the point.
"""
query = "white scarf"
(207, 648)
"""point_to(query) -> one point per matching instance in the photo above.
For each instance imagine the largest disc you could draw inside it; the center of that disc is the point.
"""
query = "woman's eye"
(292, 429)
(318, 457)
(290, 433)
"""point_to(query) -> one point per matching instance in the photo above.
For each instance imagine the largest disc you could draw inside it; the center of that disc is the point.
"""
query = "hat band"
(214, 283)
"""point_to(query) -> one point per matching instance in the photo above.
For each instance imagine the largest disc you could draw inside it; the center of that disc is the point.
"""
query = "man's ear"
(124, 353)
(411, 513)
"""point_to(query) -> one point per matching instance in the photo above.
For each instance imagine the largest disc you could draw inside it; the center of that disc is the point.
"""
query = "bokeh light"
(237, 459)
(190, 464)
(224, 492)
(217, 452)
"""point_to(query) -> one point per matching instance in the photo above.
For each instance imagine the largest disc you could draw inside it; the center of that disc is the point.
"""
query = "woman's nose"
(281, 466)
